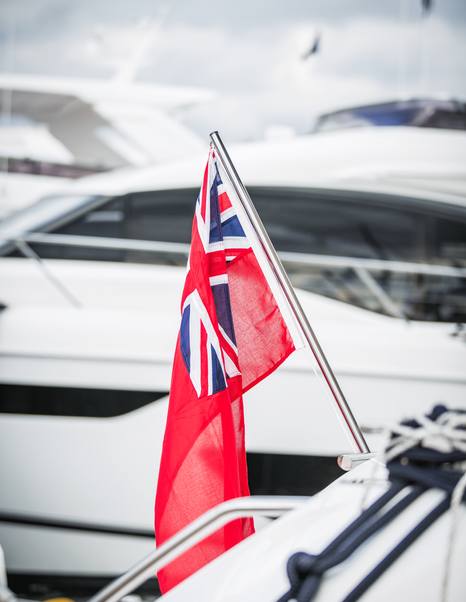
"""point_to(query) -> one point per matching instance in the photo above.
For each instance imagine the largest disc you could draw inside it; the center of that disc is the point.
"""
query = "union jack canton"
(207, 342)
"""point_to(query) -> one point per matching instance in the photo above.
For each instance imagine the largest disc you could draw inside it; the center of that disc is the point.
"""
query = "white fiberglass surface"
(101, 471)
(377, 159)
(367, 154)
(19, 191)
(256, 568)
(124, 331)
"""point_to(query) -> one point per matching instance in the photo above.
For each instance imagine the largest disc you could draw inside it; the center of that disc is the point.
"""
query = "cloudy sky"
(248, 51)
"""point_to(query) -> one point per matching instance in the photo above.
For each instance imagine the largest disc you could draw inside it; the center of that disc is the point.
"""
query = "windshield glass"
(327, 240)
(48, 210)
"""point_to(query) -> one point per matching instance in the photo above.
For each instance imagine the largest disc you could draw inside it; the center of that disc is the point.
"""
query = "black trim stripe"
(290, 474)
(40, 586)
(27, 520)
(72, 401)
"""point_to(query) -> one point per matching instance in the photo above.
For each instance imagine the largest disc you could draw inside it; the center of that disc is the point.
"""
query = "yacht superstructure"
(86, 358)
(54, 129)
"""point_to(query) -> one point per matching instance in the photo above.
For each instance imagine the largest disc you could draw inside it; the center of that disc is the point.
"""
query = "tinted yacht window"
(300, 221)
(448, 244)
(159, 216)
(330, 225)
(151, 216)
(323, 222)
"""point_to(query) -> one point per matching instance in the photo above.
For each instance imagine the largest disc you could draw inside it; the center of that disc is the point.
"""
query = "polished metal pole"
(288, 290)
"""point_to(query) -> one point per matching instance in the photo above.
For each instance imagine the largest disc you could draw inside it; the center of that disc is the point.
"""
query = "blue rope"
(305, 571)
(301, 565)
(396, 552)
(418, 470)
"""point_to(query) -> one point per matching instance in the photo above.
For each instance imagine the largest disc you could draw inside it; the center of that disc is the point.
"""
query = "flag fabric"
(232, 335)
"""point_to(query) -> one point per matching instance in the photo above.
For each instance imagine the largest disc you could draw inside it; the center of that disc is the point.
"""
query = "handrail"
(305, 259)
(360, 266)
(202, 527)
(373, 265)
(103, 242)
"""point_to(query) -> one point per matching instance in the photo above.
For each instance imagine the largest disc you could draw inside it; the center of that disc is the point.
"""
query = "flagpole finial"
(214, 139)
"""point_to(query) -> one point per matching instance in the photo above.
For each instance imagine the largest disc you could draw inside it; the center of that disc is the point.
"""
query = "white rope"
(443, 435)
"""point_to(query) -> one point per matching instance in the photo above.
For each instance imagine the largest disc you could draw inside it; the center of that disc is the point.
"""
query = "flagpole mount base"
(349, 461)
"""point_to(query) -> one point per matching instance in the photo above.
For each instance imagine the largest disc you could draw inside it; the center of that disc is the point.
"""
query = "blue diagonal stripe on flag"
(184, 337)
(232, 227)
(205, 366)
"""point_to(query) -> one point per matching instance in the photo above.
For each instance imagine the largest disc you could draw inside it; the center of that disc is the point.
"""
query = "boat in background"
(438, 113)
(55, 128)
(86, 359)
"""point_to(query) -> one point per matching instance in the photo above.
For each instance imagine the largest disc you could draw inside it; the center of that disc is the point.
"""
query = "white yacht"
(58, 128)
(91, 282)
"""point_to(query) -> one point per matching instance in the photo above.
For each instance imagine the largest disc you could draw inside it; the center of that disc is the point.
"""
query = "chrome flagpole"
(288, 290)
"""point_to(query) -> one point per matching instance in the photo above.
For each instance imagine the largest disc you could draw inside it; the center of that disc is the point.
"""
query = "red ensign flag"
(232, 335)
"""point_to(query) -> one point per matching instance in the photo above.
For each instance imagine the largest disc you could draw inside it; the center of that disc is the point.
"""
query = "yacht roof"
(367, 156)
(411, 162)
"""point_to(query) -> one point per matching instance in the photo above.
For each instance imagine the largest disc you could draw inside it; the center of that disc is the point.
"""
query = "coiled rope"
(428, 452)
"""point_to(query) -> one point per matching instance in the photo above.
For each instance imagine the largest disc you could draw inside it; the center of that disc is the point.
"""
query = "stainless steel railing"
(305, 259)
(363, 268)
(101, 242)
(205, 525)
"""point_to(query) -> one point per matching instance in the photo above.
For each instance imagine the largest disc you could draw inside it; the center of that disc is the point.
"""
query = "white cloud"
(257, 70)
(368, 61)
